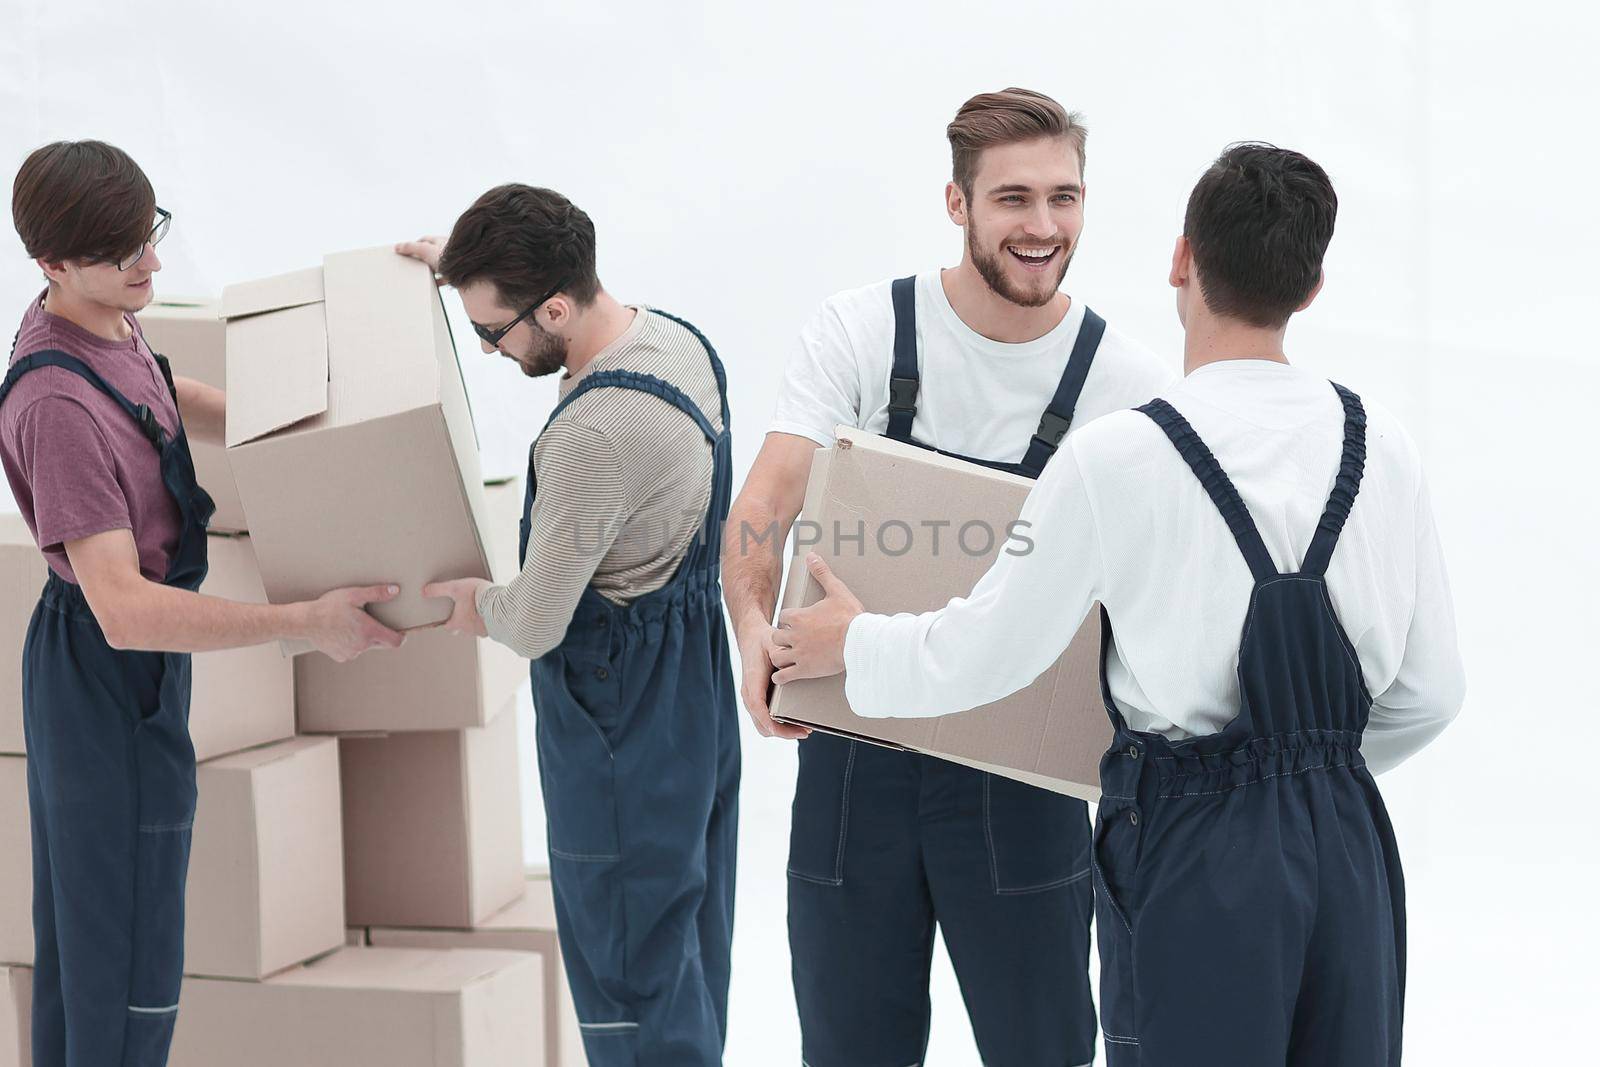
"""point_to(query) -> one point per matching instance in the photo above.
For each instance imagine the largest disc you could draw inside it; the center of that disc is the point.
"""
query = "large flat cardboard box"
(22, 577)
(432, 825)
(266, 874)
(437, 680)
(189, 332)
(907, 529)
(360, 1006)
(349, 433)
(240, 697)
(16, 870)
(16, 1024)
(529, 925)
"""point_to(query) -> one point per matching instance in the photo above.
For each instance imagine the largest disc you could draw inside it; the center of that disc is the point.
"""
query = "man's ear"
(955, 203)
(54, 272)
(1315, 289)
(1182, 263)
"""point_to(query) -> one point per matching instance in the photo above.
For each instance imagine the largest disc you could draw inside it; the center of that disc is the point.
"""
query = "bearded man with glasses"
(618, 607)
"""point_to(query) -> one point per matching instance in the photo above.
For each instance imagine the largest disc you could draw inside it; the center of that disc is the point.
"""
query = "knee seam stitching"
(581, 857)
(165, 827)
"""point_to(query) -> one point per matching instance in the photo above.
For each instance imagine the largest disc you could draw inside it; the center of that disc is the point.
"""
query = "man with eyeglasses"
(618, 607)
(93, 443)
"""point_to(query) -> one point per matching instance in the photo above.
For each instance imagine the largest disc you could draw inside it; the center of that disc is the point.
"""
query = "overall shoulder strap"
(904, 377)
(1057, 418)
(644, 383)
(1346, 484)
(711, 353)
(52, 357)
(1217, 485)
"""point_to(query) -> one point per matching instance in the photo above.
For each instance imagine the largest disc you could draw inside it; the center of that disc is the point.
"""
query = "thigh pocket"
(577, 772)
(1037, 839)
(161, 868)
(821, 818)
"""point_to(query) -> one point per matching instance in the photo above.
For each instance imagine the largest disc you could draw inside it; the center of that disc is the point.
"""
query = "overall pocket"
(1118, 830)
(577, 771)
(1037, 839)
(821, 817)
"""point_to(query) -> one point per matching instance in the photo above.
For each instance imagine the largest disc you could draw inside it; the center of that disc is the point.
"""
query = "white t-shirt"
(978, 397)
(1119, 517)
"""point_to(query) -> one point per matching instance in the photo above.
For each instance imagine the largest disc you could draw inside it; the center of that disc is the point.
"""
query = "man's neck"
(1214, 339)
(991, 315)
(603, 323)
(99, 319)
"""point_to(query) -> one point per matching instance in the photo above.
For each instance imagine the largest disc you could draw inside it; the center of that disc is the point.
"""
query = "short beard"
(993, 273)
(548, 355)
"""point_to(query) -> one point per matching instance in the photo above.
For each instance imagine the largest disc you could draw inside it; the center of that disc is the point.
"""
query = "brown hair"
(525, 240)
(1011, 115)
(78, 200)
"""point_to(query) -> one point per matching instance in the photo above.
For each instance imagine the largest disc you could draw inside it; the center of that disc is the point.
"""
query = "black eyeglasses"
(157, 232)
(493, 338)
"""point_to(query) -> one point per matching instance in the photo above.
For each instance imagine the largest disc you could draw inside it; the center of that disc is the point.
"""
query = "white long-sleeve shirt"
(1119, 518)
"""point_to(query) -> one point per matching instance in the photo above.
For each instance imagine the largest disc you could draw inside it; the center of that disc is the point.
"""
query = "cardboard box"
(240, 697)
(22, 576)
(16, 1024)
(16, 872)
(907, 529)
(437, 680)
(349, 433)
(432, 825)
(189, 332)
(266, 874)
(529, 925)
(359, 1006)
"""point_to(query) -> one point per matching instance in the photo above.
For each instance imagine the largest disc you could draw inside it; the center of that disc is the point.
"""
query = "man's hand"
(464, 617)
(427, 249)
(810, 641)
(755, 658)
(340, 628)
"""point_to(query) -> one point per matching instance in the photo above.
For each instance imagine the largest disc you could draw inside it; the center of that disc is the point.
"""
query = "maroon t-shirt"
(76, 462)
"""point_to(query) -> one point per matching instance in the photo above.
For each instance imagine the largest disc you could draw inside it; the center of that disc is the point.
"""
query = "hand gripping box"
(349, 433)
(908, 529)
(437, 680)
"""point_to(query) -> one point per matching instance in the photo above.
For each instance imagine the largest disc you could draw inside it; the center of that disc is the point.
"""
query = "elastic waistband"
(62, 595)
(1179, 769)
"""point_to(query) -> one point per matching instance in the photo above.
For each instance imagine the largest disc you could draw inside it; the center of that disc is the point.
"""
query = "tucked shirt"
(623, 483)
(1119, 518)
(979, 397)
(76, 462)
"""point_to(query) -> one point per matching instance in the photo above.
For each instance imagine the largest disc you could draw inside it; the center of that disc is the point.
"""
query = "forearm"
(203, 409)
(528, 616)
(149, 616)
(752, 566)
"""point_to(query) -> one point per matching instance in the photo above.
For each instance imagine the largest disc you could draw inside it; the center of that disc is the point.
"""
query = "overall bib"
(884, 845)
(1251, 907)
(111, 796)
(638, 745)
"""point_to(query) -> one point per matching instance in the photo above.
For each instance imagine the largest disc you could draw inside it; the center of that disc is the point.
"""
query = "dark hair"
(1007, 117)
(1258, 223)
(525, 240)
(77, 200)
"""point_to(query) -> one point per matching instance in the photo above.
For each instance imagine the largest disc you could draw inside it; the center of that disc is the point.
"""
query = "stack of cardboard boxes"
(356, 879)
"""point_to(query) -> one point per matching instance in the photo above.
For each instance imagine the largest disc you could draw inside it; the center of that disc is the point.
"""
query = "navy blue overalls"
(1251, 907)
(111, 795)
(884, 844)
(638, 742)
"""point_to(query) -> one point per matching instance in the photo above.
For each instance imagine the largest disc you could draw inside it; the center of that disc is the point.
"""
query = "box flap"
(273, 294)
(277, 371)
(381, 336)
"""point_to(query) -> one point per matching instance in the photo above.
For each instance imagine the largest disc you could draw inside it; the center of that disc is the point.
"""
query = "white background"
(740, 165)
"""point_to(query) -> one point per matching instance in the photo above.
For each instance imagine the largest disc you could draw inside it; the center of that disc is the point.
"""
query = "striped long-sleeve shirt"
(624, 479)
